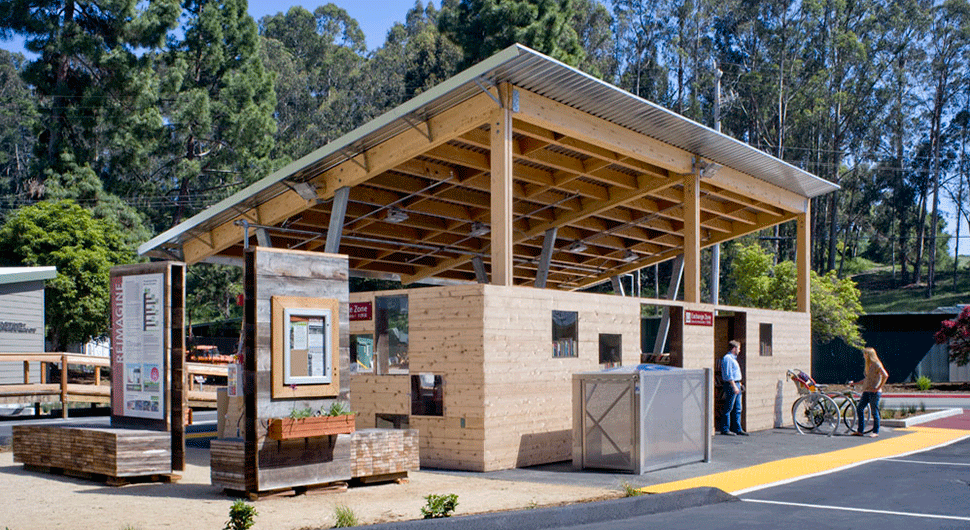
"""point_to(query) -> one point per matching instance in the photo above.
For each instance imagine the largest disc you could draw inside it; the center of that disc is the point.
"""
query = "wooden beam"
(448, 125)
(692, 239)
(803, 256)
(544, 112)
(646, 186)
(500, 133)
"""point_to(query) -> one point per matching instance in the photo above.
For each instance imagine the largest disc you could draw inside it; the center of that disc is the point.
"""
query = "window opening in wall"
(765, 347)
(362, 353)
(565, 338)
(610, 350)
(392, 421)
(427, 395)
(391, 329)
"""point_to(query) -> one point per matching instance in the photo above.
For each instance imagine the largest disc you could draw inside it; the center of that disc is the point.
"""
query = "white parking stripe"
(926, 462)
(863, 510)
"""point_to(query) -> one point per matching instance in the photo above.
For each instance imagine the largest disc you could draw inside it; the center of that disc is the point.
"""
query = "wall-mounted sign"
(16, 327)
(361, 311)
(698, 318)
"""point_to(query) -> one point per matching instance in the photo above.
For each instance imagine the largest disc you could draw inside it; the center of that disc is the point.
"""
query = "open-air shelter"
(511, 186)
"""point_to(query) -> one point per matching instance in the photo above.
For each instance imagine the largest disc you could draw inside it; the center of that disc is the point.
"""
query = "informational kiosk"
(146, 439)
(148, 351)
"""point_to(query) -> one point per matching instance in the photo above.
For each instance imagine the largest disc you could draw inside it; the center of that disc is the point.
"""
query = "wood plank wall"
(508, 402)
(309, 274)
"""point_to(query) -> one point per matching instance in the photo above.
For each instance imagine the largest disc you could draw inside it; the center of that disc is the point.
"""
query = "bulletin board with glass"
(305, 347)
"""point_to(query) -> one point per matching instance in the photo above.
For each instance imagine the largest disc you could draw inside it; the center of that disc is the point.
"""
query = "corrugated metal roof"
(533, 71)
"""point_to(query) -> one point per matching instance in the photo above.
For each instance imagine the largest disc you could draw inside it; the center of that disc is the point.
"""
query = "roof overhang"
(26, 274)
(594, 166)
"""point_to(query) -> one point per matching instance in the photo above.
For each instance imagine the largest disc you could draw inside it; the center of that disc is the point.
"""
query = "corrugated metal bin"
(642, 418)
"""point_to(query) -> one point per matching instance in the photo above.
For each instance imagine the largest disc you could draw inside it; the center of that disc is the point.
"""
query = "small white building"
(22, 317)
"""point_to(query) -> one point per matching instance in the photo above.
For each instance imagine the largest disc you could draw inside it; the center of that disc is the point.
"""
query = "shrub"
(344, 517)
(629, 490)
(242, 516)
(923, 383)
(439, 505)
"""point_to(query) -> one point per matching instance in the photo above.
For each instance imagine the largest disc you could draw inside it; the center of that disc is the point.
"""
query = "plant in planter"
(302, 423)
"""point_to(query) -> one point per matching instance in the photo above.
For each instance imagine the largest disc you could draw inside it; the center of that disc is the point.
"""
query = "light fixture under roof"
(396, 215)
(479, 229)
(629, 255)
(577, 246)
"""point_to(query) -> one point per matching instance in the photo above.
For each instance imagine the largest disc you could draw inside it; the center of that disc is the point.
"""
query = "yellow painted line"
(790, 469)
(201, 434)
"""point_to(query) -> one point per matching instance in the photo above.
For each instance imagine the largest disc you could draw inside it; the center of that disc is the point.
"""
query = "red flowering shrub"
(957, 333)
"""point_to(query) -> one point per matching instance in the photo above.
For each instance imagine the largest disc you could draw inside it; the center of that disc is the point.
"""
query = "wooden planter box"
(289, 428)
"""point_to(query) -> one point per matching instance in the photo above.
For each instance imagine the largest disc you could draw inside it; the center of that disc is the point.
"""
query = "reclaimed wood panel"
(108, 451)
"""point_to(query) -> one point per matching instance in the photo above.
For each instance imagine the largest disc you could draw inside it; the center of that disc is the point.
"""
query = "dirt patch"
(192, 502)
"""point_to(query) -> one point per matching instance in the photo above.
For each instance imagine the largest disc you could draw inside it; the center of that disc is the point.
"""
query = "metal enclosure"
(642, 418)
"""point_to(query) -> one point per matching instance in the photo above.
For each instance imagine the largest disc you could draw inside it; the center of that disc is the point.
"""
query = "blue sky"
(374, 16)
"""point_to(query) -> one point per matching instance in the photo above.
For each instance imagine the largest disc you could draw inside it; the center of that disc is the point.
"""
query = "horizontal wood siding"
(21, 303)
(769, 395)
(528, 392)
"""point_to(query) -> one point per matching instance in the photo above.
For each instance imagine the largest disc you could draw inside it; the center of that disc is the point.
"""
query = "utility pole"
(716, 249)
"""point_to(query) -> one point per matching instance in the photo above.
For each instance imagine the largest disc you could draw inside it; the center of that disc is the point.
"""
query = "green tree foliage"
(18, 115)
(760, 283)
(218, 103)
(211, 292)
(318, 60)
(89, 67)
(414, 58)
(483, 27)
(83, 248)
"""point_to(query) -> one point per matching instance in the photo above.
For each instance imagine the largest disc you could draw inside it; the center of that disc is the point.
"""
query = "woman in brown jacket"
(876, 376)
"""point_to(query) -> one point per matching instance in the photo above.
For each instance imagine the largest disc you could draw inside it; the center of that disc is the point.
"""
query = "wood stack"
(384, 453)
(107, 451)
(227, 468)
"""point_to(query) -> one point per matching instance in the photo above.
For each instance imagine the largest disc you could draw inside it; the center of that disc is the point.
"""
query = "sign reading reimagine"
(138, 346)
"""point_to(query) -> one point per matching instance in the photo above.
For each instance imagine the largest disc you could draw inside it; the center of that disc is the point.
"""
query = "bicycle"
(813, 411)
(848, 402)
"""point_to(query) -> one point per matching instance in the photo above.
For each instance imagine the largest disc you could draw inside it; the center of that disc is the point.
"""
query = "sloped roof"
(602, 166)
(26, 274)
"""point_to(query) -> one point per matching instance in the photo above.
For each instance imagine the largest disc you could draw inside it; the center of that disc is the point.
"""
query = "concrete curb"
(922, 418)
(573, 514)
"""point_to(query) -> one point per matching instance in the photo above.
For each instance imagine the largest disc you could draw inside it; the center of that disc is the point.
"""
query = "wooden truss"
(513, 188)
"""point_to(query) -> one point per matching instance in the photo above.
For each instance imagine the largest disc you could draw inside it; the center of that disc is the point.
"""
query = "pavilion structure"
(511, 187)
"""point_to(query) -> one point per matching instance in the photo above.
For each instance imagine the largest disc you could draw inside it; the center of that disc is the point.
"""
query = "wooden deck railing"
(93, 390)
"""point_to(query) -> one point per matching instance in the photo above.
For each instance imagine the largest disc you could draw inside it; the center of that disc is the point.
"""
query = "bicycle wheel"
(802, 415)
(849, 415)
(827, 415)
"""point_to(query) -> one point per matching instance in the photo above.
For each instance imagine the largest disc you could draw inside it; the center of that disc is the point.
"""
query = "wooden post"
(501, 188)
(97, 376)
(692, 238)
(43, 372)
(64, 386)
(804, 258)
(26, 372)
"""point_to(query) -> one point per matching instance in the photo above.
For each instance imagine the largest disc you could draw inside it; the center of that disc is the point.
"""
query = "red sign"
(361, 311)
(698, 318)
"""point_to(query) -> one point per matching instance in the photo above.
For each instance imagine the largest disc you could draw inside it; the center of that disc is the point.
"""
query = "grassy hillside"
(880, 294)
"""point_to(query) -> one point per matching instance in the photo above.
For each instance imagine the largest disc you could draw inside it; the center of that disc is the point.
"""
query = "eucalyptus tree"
(948, 45)
(483, 27)
(594, 28)
(641, 33)
(318, 59)
(415, 56)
